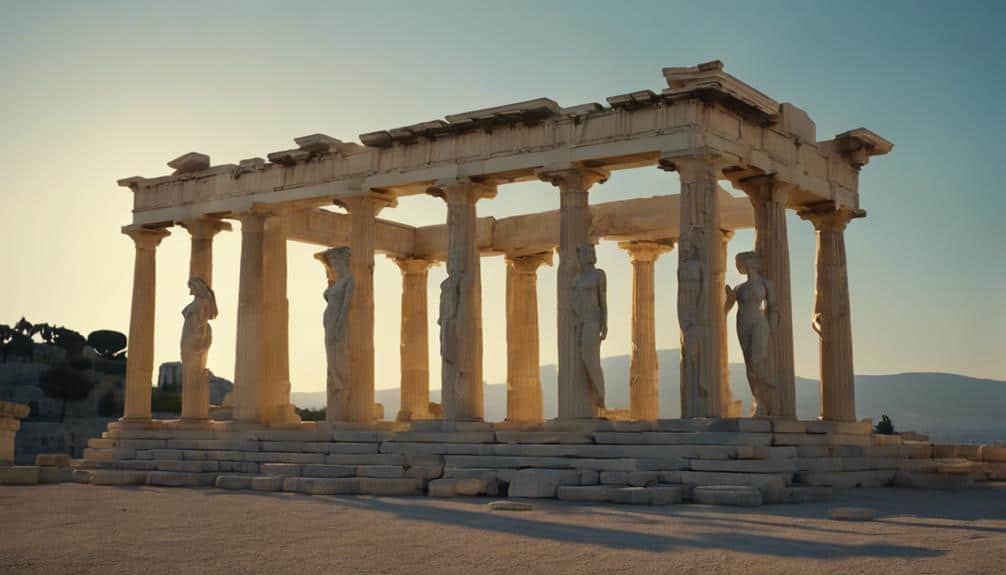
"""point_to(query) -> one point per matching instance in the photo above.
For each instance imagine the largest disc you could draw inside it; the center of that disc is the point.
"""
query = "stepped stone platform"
(741, 461)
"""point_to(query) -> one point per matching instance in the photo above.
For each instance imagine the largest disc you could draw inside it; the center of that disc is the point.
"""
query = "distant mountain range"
(949, 407)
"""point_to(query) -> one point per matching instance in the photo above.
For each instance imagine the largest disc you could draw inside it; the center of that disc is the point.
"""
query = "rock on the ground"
(510, 506)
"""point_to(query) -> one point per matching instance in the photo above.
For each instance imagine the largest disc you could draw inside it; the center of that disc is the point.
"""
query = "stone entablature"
(703, 111)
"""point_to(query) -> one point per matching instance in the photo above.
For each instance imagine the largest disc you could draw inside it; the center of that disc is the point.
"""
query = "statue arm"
(731, 299)
(347, 298)
(818, 317)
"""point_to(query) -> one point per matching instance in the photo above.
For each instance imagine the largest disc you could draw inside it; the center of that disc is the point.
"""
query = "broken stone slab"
(630, 495)
(233, 482)
(380, 471)
(442, 488)
(505, 505)
(19, 474)
(737, 495)
(82, 475)
(52, 460)
(666, 494)
(852, 513)
(541, 483)
(190, 162)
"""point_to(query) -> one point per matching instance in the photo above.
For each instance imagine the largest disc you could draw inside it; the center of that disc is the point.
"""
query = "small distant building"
(169, 379)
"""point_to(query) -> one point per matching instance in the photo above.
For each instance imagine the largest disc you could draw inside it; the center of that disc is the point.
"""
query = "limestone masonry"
(707, 127)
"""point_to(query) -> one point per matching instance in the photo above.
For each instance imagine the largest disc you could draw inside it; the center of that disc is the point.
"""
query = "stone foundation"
(661, 462)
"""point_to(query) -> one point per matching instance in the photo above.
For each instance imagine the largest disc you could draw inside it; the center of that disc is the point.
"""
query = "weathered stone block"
(335, 486)
(813, 451)
(589, 477)
(510, 506)
(19, 475)
(738, 495)
(179, 479)
(840, 479)
(298, 484)
(614, 478)
(55, 474)
(442, 488)
(386, 486)
(352, 448)
(366, 459)
(118, 477)
(593, 493)
(278, 457)
(543, 437)
(922, 480)
(992, 453)
(666, 494)
(745, 465)
(378, 471)
(630, 495)
(282, 469)
(269, 483)
(413, 448)
(82, 475)
(233, 482)
(471, 487)
(643, 478)
(789, 426)
(819, 464)
(323, 470)
(759, 480)
(527, 450)
(52, 460)
(541, 483)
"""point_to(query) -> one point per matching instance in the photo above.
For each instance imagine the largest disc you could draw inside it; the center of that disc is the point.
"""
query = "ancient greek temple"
(703, 129)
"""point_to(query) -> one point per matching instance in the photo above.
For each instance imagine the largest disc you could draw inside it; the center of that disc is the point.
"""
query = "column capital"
(528, 263)
(417, 266)
(766, 187)
(375, 200)
(727, 235)
(204, 228)
(826, 217)
(691, 164)
(461, 190)
(146, 238)
(573, 178)
(646, 250)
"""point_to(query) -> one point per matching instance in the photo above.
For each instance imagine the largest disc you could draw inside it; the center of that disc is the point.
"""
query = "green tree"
(65, 383)
(884, 426)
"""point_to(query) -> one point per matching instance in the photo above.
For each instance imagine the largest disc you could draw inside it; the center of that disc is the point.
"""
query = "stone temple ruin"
(706, 126)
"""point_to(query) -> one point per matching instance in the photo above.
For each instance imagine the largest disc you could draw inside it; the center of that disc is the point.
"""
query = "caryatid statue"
(757, 318)
(690, 279)
(450, 302)
(337, 297)
(197, 335)
(590, 317)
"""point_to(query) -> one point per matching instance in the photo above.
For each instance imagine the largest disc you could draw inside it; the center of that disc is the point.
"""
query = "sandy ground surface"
(73, 528)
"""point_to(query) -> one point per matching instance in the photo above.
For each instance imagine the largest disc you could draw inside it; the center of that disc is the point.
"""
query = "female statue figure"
(689, 311)
(450, 299)
(338, 297)
(757, 317)
(195, 345)
(590, 317)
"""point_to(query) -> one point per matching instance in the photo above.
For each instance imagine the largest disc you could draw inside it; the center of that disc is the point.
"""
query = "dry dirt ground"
(73, 528)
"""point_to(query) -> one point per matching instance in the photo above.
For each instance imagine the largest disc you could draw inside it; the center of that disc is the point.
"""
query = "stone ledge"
(735, 495)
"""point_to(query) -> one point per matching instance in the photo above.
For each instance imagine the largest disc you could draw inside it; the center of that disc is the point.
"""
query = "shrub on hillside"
(884, 426)
(65, 383)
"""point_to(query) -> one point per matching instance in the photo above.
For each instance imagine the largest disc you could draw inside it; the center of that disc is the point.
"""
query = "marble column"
(700, 303)
(575, 398)
(523, 373)
(196, 395)
(275, 364)
(248, 382)
(769, 197)
(728, 407)
(644, 369)
(461, 303)
(832, 320)
(140, 351)
(415, 347)
(363, 209)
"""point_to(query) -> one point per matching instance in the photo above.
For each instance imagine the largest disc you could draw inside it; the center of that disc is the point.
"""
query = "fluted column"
(461, 303)
(140, 352)
(277, 409)
(832, 319)
(249, 394)
(196, 395)
(523, 375)
(415, 349)
(769, 197)
(644, 369)
(728, 407)
(700, 305)
(575, 397)
(363, 209)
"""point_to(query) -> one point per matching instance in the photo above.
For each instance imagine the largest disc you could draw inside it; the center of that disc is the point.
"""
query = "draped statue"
(337, 297)
(757, 318)
(197, 335)
(590, 317)
(690, 304)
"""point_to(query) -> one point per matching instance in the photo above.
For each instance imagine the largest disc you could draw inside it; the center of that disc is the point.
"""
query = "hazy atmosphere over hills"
(970, 409)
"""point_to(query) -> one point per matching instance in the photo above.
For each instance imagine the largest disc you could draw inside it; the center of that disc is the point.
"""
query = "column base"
(580, 424)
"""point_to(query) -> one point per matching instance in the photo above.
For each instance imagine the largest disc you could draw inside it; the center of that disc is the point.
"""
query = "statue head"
(586, 254)
(748, 263)
(338, 258)
(198, 288)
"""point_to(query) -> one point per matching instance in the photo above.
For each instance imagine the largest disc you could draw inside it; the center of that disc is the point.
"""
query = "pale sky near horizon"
(97, 91)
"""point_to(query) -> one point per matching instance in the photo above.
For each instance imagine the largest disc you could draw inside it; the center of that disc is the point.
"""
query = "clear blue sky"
(96, 91)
